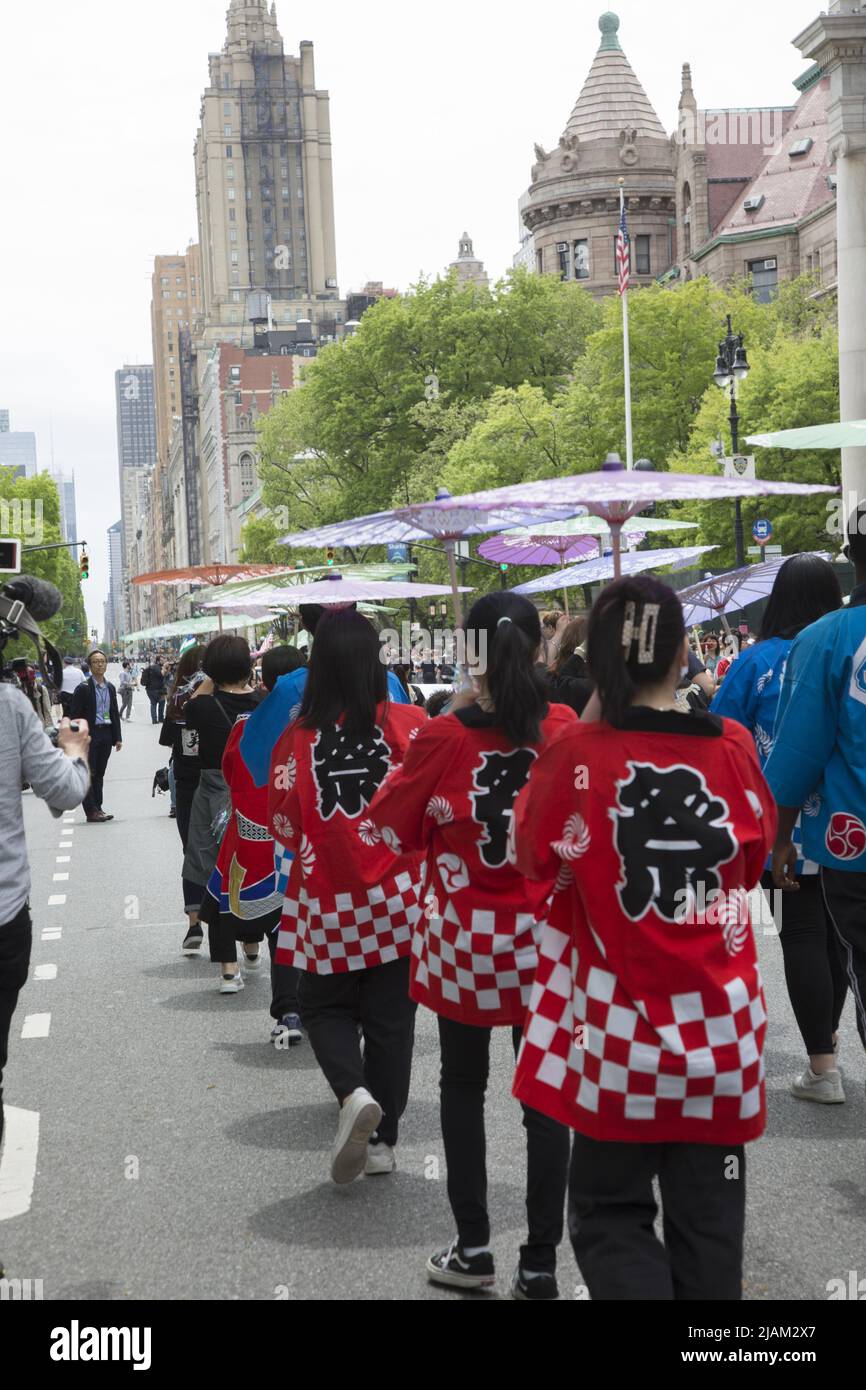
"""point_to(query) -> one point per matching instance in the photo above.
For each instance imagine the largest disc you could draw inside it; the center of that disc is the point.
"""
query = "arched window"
(246, 464)
(687, 219)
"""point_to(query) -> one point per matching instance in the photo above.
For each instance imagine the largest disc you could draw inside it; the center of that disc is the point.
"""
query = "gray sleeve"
(53, 777)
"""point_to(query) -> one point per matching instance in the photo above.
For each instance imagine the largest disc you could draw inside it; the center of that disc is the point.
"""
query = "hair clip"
(503, 620)
(628, 627)
(646, 650)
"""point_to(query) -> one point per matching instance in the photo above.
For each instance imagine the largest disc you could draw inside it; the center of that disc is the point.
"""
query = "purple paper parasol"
(334, 589)
(719, 594)
(591, 571)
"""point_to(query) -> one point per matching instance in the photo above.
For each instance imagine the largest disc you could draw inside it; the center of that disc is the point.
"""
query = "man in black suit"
(96, 701)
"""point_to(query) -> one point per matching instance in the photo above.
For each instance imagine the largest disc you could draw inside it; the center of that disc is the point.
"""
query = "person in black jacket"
(568, 679)
(96, 701)
(153, 680)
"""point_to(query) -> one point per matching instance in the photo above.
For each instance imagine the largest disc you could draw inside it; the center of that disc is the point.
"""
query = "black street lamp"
(732, 366)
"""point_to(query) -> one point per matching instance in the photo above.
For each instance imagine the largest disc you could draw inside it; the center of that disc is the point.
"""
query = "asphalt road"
(181, 1157)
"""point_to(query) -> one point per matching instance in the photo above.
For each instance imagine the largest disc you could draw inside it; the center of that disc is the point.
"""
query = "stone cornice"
(832, 38)
(742, 238)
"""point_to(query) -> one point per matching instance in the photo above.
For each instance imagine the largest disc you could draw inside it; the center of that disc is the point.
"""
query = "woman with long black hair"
(474, 954)
(352, 898)
(186, 769)
(647, 1019)
(806, 588)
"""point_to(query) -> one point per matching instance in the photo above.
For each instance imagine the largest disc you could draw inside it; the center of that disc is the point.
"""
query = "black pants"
(222, 941)
(101, 744)
(183, 795)
(814, 966)
(332, 1006)
(15, 941)
(465, 1068)
(126, 702)
(611, 1210)
(157, 707)
(845, 902)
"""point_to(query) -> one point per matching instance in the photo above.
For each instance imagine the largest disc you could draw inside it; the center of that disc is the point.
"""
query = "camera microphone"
(41, 599)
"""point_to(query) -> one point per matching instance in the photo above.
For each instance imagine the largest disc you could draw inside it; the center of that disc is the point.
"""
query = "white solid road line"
(57, 900)
(36, 1026)
(45, 972)
(18, 1169)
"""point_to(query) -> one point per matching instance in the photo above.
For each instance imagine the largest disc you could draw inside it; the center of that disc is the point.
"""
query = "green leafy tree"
(359, 434)
(68, 629)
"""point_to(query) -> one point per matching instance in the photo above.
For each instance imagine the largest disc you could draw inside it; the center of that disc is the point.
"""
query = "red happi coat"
(647, 1017)
(243, 890)
(352, 900)
(474, 953)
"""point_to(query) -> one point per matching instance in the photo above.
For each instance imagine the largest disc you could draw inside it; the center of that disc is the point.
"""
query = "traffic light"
(84, 566)
(504, 568)
(329, 554)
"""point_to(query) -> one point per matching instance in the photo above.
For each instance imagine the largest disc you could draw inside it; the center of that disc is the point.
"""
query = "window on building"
(286, 193)
(166, 294)
(164, 280)
(765, 279)
(231, 194)
(539, 262)
(284, 171)
(249, 194)
(230, 171)
(287, 214)
(581, 259)
(564, 260)
(284, 151)
(236, 296)
(233, 233)
(642, 263)
(232, 218)
(234, 277)
(234, 258)
(227, 130)
(266, 214)
(228, 152)
(171, 361)
(687, 219)
(233, 315)
(247, 469)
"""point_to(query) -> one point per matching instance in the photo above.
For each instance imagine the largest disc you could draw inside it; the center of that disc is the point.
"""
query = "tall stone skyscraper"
(136, 456)
(263, 180)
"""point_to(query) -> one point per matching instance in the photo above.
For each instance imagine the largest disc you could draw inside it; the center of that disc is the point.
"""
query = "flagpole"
(629, 442)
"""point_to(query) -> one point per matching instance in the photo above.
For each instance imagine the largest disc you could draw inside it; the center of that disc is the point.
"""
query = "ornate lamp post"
(732, 366)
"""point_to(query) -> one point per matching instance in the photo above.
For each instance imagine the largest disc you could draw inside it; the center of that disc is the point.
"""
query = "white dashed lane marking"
(45, 972)
(63, 858)
(51, 935)
(18, 1169)
(60, 878)
(36, 1026)
(57, 900)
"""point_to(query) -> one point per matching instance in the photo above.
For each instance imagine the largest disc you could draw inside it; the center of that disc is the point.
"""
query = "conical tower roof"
(612, 98)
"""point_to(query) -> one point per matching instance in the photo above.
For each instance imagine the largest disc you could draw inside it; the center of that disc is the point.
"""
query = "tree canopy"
(22, 499)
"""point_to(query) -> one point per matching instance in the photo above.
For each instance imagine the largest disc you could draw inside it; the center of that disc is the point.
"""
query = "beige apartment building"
(264, 184)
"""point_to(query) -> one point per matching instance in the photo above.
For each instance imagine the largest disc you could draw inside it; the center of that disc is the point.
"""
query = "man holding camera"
(59, 776)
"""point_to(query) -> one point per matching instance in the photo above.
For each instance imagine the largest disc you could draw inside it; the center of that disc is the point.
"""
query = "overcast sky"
(434, 111)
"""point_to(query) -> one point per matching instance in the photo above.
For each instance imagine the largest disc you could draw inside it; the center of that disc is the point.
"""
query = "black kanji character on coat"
(348, 772)
(671, 833)
(497, 781)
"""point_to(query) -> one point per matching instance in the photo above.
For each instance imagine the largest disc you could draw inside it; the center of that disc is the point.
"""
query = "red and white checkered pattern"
(348, 931)
(483, 975)
(682, 1067)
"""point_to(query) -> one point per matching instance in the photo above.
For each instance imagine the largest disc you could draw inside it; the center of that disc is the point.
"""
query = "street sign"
(740, 466)
(764, 550)
(772, 550)
(762, 531)
(398, 554)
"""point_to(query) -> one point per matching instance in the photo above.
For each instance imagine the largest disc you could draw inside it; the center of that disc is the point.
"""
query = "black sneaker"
(539, 1288)
(455, 1270)
(192, 941)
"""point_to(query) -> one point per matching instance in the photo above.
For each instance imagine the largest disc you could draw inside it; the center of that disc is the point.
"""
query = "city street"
(174, 1154)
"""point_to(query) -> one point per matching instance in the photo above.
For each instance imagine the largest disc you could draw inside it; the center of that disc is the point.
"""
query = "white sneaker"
(253, 963)
(826, 1089)
(359, 1117)
(231, 984)
(380, 1159)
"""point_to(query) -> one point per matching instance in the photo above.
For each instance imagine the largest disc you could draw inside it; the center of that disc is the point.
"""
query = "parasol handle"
(615, 535)
(455, 588)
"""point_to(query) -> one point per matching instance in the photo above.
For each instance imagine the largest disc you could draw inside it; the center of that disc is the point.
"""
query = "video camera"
(25, 602)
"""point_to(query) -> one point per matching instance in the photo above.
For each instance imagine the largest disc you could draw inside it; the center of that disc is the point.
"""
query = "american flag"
(623, 253)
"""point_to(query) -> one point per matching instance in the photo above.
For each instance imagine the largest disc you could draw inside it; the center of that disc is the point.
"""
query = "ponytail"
(512, 634)
(635, 629)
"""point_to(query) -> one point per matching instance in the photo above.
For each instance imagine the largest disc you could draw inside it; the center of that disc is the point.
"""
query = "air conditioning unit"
(770, 265)
(752, 204)
(562, 246)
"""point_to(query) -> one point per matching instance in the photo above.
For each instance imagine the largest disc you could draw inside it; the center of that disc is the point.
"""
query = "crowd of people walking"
(566, 850)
